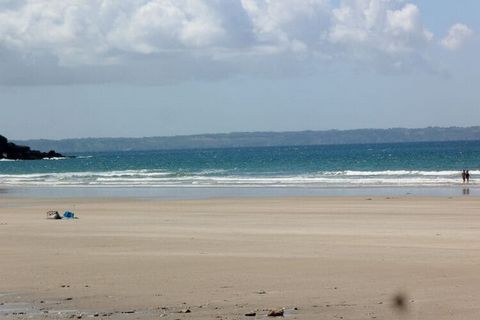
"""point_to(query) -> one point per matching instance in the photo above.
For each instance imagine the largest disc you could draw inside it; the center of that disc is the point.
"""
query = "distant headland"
(260, 139)
(11, 151)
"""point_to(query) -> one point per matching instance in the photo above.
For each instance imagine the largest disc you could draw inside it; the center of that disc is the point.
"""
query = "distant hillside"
(259, 139)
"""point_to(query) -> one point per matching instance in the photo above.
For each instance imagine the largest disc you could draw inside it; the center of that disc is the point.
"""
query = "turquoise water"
(405, 164)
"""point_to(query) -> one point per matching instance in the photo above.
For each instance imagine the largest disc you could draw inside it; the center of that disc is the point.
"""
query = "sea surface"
(435, 164)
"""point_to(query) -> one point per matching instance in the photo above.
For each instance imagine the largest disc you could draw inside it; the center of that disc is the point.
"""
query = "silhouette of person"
(464, 176)
(467, 176)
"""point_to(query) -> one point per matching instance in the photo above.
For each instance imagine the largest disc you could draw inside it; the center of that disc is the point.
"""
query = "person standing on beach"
(467, 176)
(464, 176)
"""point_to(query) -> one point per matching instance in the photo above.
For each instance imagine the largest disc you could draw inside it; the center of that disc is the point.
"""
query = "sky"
(134, 68)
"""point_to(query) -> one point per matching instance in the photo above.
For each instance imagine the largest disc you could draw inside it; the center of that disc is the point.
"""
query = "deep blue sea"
(338, 166)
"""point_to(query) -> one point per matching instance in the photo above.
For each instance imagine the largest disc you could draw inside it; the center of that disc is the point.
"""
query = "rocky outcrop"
(9, 150)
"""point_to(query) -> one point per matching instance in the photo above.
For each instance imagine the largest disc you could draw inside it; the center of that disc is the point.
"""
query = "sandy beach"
(314, 257)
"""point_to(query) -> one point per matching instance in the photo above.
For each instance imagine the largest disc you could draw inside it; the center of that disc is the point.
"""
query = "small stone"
(185, 311)
(250, 314)
(68, 299)
(276, 313)
(261, 292)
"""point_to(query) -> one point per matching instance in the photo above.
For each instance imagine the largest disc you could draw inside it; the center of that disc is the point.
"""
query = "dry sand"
(319, 258)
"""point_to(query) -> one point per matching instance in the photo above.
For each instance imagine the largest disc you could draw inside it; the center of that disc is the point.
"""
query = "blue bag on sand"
(69, 215)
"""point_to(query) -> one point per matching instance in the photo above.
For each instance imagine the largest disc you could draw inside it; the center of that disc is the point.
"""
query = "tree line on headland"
(260, 139)
(11, 151)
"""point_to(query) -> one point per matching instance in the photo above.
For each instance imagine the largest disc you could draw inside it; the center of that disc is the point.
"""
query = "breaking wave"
(225, 178)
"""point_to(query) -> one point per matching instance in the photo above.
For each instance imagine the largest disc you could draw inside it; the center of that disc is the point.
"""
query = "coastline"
(329, 257)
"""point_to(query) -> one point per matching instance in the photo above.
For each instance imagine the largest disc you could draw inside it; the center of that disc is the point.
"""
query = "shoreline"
(190, 192)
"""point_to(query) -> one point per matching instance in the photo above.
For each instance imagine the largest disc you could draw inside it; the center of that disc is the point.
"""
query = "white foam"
(221, 178)
(403, 173)
(56, 158)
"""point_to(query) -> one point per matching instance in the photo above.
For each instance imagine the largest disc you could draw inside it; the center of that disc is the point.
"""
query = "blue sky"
(158, 67)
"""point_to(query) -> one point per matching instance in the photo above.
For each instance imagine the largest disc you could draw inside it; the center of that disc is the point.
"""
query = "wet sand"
(315, 257)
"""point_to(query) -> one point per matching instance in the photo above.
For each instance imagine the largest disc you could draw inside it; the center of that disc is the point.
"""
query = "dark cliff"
(9, 150)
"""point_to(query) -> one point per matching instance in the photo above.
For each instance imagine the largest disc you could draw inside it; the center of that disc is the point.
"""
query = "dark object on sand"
(400, 302)
(185, 311)
(9, 150)
(276, 313)
(250, 314)
(129, 311)
(53, 215)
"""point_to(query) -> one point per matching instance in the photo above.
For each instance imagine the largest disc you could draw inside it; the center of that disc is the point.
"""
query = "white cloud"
(190, 35)
(81, 32)
(456, 37)
(287, 25)
(379, 25)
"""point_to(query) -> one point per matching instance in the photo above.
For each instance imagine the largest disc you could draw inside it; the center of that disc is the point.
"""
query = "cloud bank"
(159, 41)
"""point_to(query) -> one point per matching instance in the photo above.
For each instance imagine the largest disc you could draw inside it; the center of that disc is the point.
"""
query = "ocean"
(433, 164)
